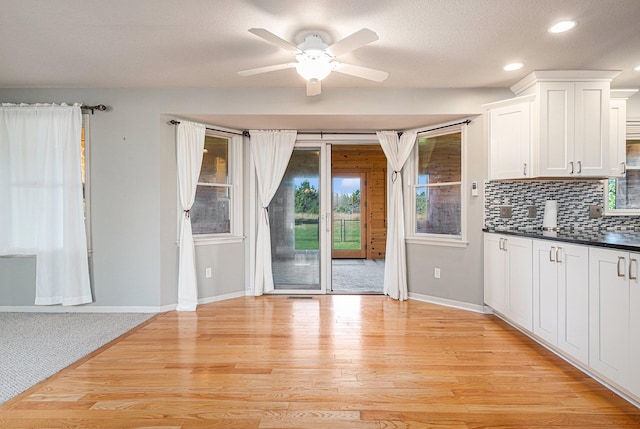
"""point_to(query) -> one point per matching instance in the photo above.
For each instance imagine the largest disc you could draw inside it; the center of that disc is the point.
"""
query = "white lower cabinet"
(508, 279)
(561, 296)
(614, 300)
(584, 301)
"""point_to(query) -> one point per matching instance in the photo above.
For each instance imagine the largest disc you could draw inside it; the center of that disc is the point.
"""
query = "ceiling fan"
(316, 59)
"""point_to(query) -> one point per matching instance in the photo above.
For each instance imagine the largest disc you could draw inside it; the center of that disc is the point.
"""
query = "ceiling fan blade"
(266, 69)
(273, 39)
(314, 87)
(359, 71)
(353, 42)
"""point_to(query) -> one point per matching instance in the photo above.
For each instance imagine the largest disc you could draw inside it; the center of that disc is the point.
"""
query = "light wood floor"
(328, 362)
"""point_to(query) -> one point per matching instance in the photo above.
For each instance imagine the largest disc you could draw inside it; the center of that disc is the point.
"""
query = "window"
(435, 185)
(623, 193)
(216, 211)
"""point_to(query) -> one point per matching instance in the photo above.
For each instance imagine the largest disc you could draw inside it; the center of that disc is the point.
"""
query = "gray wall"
(134, 204)
(461, 269)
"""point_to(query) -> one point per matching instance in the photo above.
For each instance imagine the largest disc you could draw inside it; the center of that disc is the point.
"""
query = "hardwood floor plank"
(328, 362)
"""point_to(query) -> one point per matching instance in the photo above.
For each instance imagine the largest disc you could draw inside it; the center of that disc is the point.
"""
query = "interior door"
(348, 215)
(299, 230)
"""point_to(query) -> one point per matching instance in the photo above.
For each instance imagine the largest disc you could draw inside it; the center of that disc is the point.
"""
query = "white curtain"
(397, 150)
(41, 211)
(190, 147)
(271, 151)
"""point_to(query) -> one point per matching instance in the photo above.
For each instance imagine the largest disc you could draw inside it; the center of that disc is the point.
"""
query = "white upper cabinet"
(569, 129)
(618, 132)
(510, 138)
(618, 138)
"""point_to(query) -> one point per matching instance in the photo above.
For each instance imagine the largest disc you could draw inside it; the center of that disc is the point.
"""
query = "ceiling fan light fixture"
(313, 68)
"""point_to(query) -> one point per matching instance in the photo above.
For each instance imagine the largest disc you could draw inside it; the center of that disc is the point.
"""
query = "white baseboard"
(222, 297)
(86, 309)
(109, 308)
(450, 303)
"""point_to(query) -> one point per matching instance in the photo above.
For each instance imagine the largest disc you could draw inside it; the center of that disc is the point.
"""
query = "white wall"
(134, 189)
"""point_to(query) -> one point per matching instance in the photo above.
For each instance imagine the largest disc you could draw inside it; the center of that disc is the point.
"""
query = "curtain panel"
(271, 151)
(41, 207)
(397, 150)
(189, 150)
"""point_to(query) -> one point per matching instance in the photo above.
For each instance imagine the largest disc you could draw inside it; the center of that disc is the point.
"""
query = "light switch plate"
(505, 211)
(531, 212)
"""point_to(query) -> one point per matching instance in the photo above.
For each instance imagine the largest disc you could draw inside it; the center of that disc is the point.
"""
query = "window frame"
(235, 161)
(633, 133)
(410, 179)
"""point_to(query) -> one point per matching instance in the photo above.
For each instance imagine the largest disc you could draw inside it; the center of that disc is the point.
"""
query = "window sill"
(622, 212)
(206, 240)
(434, 241)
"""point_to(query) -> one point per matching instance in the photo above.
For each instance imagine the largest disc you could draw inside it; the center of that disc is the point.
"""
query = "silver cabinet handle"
(624, 167)
(631, 262)
(500, 244)
(571, 163)
(552, 251)
(558, 254)
(579, 167)
(621, 271)
(524, 170)
(504, 244)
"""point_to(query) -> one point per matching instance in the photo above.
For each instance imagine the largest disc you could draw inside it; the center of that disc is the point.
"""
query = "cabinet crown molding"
(510, 101)
(563, 76)
(623, 93)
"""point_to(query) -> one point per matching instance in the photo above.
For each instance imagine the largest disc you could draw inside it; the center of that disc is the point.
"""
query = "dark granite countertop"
(622, 240)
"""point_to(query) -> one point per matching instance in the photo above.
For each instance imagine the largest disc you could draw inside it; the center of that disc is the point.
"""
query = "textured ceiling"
(203, 43)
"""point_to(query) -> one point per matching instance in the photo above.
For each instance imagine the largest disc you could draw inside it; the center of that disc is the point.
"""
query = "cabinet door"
(510, 142)
(573, 300)
(545, 291)
(617, 137)
(555, 138)
(609, 313)
(634, 304)
(495, 272)
(520, 282)
(591, 149)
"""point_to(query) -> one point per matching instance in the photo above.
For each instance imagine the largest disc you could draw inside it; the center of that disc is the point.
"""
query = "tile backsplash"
(574, 198)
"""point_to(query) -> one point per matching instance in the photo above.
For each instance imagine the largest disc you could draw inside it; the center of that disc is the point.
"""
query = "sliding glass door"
(299, 231)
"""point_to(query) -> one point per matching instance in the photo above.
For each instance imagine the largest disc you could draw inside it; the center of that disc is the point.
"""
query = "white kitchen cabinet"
(618, 138)
(510, 138)
(568, 133)
(561, 296)
(495, 272)
(572, 135)
(613, 290)
(508, 277)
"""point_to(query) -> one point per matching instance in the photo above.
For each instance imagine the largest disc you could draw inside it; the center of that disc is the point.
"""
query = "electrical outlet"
(531, 211)
(595, 212)
(436, 273)
(505, 211)
(207, 272)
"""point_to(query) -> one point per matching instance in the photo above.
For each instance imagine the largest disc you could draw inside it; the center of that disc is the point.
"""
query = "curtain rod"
(322, 133)
(244, 133)
(467, 122)
(98, 107)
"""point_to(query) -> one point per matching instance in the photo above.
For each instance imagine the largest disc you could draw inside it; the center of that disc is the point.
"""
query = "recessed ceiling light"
(562, 26)
(513, 66)
(637, 68)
